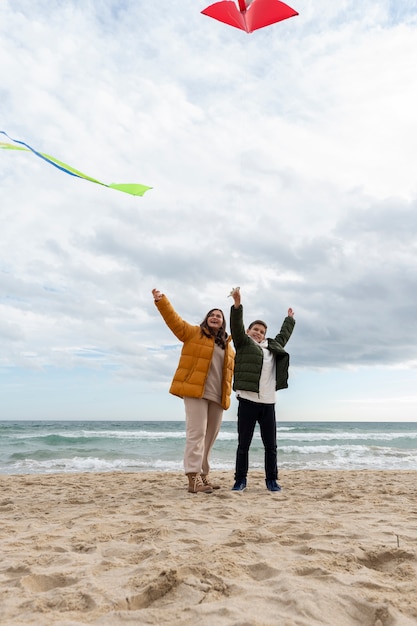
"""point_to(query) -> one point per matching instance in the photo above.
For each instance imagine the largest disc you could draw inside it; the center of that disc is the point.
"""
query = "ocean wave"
(47, 447)
(87, 464)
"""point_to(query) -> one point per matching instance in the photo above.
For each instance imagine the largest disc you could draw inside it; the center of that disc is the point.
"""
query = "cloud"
(282, 161)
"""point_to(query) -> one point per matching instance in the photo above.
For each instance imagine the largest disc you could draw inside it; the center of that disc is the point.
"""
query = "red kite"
(251, 14)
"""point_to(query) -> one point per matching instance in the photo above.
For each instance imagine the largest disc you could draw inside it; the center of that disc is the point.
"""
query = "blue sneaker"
(272, 485)
(240, 485)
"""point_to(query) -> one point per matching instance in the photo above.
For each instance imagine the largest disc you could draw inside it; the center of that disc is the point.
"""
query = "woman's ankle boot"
(196, 485)
(206, 481)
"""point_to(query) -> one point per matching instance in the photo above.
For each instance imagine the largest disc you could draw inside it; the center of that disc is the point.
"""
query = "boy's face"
(257, 332)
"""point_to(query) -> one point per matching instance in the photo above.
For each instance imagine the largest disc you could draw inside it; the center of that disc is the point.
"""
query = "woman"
(204, 380)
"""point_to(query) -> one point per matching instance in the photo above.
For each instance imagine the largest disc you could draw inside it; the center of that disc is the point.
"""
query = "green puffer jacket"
(249, 356)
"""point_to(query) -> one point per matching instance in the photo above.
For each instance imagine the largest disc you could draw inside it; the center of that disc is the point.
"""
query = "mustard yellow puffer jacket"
(196, 354)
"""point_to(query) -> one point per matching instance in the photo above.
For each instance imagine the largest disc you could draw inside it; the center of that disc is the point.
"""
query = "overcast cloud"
(283, 161)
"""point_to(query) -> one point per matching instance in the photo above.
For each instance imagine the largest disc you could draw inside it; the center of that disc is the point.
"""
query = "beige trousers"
(203, 419)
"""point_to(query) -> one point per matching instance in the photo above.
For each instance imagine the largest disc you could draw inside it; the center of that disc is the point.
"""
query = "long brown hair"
(220, 336)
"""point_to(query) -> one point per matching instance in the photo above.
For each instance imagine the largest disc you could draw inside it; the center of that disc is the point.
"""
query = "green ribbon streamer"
(134, 189)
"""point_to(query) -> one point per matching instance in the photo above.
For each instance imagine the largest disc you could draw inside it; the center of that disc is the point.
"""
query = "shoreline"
(118, 547)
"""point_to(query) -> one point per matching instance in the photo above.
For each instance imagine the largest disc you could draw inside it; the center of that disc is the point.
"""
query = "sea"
(42, 447)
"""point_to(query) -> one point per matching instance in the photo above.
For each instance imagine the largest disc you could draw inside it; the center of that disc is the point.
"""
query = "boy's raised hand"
(235, 293)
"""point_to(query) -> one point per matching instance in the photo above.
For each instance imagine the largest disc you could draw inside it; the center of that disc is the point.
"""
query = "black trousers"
(247, 415)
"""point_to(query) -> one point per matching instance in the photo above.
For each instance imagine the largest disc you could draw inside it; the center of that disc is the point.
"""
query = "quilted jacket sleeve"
(181, 329)
(237, 327)
(286, 331)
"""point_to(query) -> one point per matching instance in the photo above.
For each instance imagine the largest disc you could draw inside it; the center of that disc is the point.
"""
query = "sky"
(281, 161)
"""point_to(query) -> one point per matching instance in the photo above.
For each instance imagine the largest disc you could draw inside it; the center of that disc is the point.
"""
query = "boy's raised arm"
(235, 293)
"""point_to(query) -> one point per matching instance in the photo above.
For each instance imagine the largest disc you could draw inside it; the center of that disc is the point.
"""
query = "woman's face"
(215, 320)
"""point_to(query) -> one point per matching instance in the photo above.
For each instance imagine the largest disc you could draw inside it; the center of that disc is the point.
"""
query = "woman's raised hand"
(157, 295)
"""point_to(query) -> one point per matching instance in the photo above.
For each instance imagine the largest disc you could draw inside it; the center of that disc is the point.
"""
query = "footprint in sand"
(262, 571)
(395, 562)
(158, 588)
(41, 582)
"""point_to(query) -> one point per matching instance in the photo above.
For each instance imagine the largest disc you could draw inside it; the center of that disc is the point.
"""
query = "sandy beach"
(334, 547)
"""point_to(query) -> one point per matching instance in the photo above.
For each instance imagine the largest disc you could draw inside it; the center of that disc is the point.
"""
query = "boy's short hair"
(252, 324)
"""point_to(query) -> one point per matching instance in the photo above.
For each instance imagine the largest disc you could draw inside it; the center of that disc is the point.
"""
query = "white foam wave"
(350, 436)
(89, 464)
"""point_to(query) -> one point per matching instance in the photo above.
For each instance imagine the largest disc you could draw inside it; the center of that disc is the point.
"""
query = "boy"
(261, 368)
